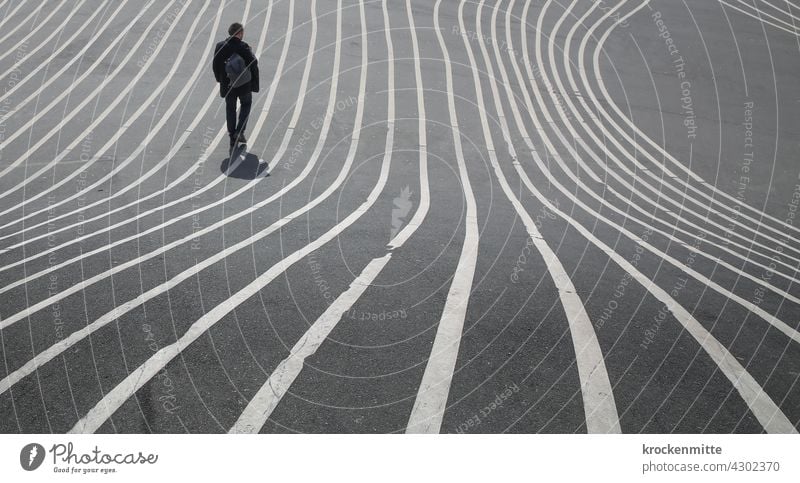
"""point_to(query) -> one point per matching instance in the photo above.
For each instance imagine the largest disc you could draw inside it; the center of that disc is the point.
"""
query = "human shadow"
(242, 165)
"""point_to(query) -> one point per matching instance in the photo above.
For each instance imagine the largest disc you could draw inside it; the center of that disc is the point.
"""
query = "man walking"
(236, 70)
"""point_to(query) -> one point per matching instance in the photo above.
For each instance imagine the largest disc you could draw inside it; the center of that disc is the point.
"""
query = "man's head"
(236, 30)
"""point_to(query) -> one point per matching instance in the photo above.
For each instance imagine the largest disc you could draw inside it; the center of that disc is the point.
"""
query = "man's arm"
(247, 55)
(252, 63)
(218, 64)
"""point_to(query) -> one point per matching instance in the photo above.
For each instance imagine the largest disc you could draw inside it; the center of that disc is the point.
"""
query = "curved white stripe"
(761, 14)
(298, 107)
(641, 151)
(46, 62)
(13, 12)
(785, 12)
(771, 319)
(244, 19)
(77, 109)
(47, 355)
(40, 25)
(424, 186)
(712, 199)
(114, 399)
(177, 146)
(640, 135)
(739, 272)
(429, 405)
(765, 410)
(261, 406)
(750, 255)
(186, 173)
(58, 348)
(59, 31)
(565, 95)
(791, 5)
(99, 119)
(631, 157)
(75, 58)
(780, 325)
(244, 188)
(151, 134)
(186, 239)
(598, 398)
(740, 10)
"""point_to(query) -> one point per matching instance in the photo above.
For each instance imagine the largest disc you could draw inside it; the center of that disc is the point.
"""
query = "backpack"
(237, 71)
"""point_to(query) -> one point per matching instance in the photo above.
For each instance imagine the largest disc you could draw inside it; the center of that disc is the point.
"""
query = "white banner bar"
(395, 458)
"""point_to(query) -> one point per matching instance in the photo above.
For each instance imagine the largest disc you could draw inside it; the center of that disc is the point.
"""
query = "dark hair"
(235, 28)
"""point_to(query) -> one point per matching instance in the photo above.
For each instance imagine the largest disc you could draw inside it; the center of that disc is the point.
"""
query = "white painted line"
(659, 195)
(632, 157)
(176, 147)
(265, 401)
(192, 236)
(28, 98)
(429, 405)
(765, 410)
(140, 376)
(166, 159)
(717, 194)
(164, 118)
(75, 111)
(46, 62)
(53, 351)
(270, 394)
(780, 325)
(199, 163)
(424, 186)
(242, 189)
(39, 25)
(784, 12)
(13, 12)
(600, 408)
(750, 255)
(760, 14)
(177, 102)
(786, 329)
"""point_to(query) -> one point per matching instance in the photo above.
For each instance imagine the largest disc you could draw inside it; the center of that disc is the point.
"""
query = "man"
(234, 85)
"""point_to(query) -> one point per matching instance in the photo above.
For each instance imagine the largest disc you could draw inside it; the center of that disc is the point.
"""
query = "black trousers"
(245, 96)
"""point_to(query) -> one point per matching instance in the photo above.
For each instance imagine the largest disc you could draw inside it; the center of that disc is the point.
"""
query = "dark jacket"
(225, 49)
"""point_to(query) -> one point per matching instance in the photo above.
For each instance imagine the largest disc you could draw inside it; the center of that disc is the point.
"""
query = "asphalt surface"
(475, 217)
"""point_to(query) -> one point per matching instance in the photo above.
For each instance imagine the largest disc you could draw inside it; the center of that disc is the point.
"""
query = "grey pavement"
(586, 219)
